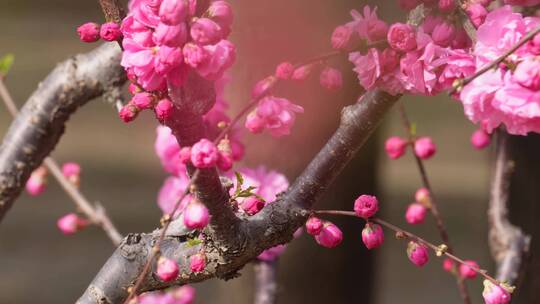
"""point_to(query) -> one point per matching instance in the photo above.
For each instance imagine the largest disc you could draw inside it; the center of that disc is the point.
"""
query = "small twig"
(265, 282)
(96, 214)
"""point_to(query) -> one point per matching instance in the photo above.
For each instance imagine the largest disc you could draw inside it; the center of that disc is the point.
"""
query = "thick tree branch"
(508, 243)
(37, 129)
(265, 282)
(274, 225)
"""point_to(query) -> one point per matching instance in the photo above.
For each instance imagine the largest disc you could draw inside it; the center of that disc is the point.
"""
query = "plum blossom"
(275, 114)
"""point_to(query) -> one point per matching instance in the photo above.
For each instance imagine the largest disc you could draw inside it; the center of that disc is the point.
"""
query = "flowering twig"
(433, 203)
(265, 282)
(96, 214)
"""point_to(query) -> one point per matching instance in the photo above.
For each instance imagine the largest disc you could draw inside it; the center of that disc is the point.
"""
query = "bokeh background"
(120, 170)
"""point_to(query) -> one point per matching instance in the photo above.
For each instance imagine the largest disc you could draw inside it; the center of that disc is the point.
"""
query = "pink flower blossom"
(424, 147)
(372, 235)
(218, 57)
(72, 171)
(221, 12)
(196, 215)
(128, 113)
(314, 225)
(205, 31)
(163, 109)
(143, 101)
(465, 270)
(167, 269)
(443, 34)
(302, 72)
(366, 206)
(110, 31)
(184, 295)
(170, 35)
(402, 37)
(494, 294)
(88, 32)
(480, 139)
(37, 183)
(284, 70)
(197, 262)
(527, 73)
(173, 11)
(277, 115)
(204, 154)
(416, 213)
(331, 79)
(267, 184)
(330, 236)
(395, 147)
(71, 223)
(342, 37)
(477, 14)
(252, 205)
(184, 155)
(417, 253)
(171, 191)
(369, 26)
(167, 149)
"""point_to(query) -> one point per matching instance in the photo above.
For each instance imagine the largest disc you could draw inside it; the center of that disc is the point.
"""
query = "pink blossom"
(522, 2)
(465, 270)
(480, 139)
(110, 31)
(196, 215)
(221, 12)
(267, 184)
(422, 196)
(417, 253)
(331, 79)
(527, 73)
(128, 113)
(263, 86)
(395, 147)
(184, 295)
(424, 147)
(372, 236)
(443, 34)
(173, 11)
(71, 223)
(163, 109)
(167, 269)
(366, 206)
(330, 236)
(402, 37)
(368, 25)
(416, 213)
(494, 294)
(205, 31)
(302, 72)
(143, 101)
(197, 262)
(284, 70)
(88, 32)
(170, 35)
(217, 59)
(37, 182)
(314, 225)
(342, 37)
(272, 254)
(477, 14)
(457, 65)
(167, 149)
(367, 67)
(72, 171)
(277, 115)
(171, 191)
(184, 155)
(448, 265)
(252, 205)
(204, 154)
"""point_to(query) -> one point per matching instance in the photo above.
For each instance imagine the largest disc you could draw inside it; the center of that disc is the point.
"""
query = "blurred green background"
(121, 171)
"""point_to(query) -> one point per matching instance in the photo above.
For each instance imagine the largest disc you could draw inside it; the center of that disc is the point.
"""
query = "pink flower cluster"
(91, 32)
(509, 95)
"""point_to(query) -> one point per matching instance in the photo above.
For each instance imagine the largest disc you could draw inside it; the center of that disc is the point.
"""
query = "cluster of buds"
(326, 233)
(416, 212)
(92, 32)
(424, 147)
(205, 154)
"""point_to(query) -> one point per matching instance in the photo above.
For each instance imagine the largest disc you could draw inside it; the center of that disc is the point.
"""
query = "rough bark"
(37, 129)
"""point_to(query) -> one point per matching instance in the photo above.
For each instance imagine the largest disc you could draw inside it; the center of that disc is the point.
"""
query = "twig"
(96, 214)
(265, 282)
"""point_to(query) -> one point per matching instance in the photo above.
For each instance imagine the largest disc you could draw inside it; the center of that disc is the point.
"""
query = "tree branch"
(37, 129)
(265, 282)
(508, 243)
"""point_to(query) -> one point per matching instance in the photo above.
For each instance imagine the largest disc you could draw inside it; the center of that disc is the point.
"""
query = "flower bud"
(184, 294)
(71, 223)
(205, 31)
(314, 225)
(128, 113)
(263, 86)
(494, 294)
(88, 32)
(167, 269)
(37, 182)
(302, 72)
(204, 154)
(72, 171)
(143, 101)
(366, 206)
(372, 235)
(424, 148)
(110, 31)
(331, 79)
(194, 55)
(252, 205)
(284, 70)
(417, 253)
(330, 235)
(416, 213)
(465, 270)
(196, 215)
(185, 155)
(170, 35)
(272, 254)
(443, 34)
(197, 262)
(422, 196)
(254, 123)
(395, 147)
(221, 12)
(163, 109)
(342, 37)
(480, 139)
(402, 37)
(448, 265)
(133, 88)
(477, 14)
(173, 12)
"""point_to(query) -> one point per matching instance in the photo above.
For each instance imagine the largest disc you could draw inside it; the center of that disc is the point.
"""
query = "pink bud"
(477, 14)
(494, 294)
(284, 70)
(263, 86)
(72, 171)
(204, 154)
(416, 213)
(480, 139)
(342, 37)
(37, 182)
(143, 100)
(170, 35)
(366, 206)
(221, 12)
(167, 269)
(465, 270)
(254, 123)
(185, 155)
(372, 236)
(196, 215)
(448, 265)
(194, 55)
(272, 254)
(402, 37)
(330, 235)
(417, 253)
(314, 225)
(197, 262)
(447, 6)
(443, 34)
(331, 79)
(133, 88)
(184, 294)
(205, 31)
(173, 12)
(128, 113)
(163, 109)
(110, 31)
(167, 58)
(252, 205)
(88, 32)
(424, 147)
(225, 161)
(395, 147)
(302, 72)
(71, 223)
(408, 4)
(422, 196)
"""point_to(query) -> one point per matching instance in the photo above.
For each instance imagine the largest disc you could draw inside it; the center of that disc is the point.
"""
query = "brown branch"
(37, 129)
(265, 282)
(112, 10)
(508, 243)
(274, 225)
